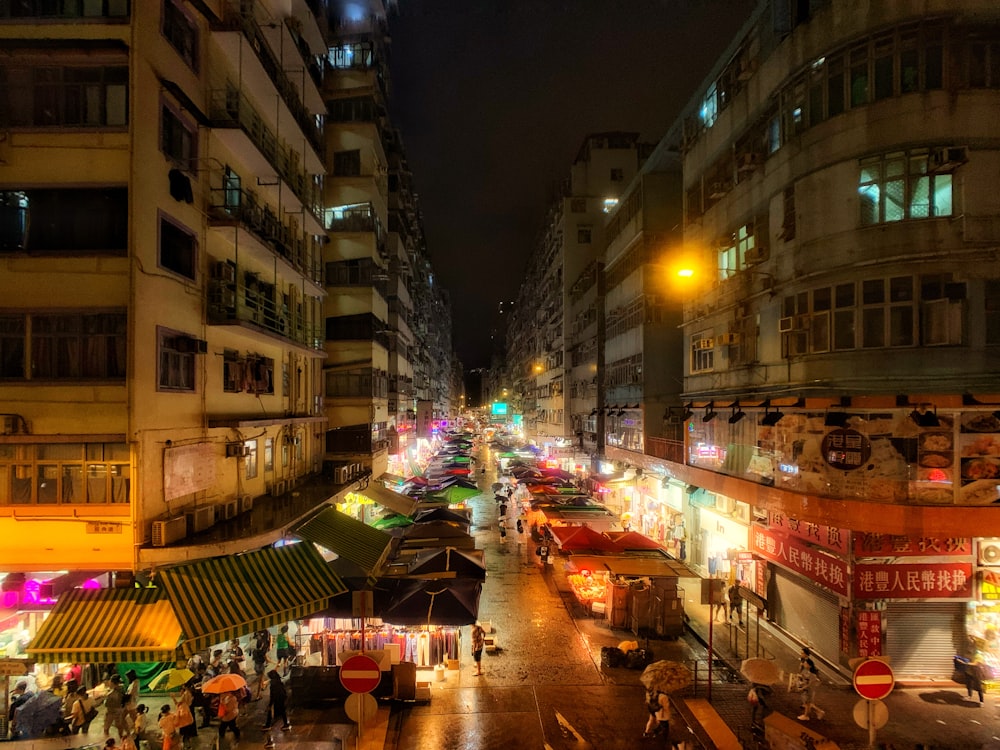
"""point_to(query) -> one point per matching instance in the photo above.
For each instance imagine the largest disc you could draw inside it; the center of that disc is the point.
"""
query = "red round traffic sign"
(873, 679)
(360, 674)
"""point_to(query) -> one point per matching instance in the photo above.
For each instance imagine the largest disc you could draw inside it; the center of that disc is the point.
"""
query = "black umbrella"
(451, 602)
(39, 715)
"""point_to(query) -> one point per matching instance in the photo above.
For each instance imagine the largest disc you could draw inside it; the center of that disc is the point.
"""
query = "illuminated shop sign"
(790, 553)
(950, 580)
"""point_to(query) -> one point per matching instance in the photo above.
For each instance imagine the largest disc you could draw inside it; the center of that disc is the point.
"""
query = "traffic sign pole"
(873, 680)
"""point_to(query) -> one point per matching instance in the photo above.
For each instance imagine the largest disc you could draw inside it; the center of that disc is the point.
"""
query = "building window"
(232, 192)
(181, 31)
(352, 55)
(77, 346)
(583, 235)
(178, 139)
(177, 352)
(702, 352)
(347, 163)
(249, 374)
(269, 454)
(177, 248)
(45, 95)
(64, 473)
(710, 107)
(900, 185)
(250, 461)
(56, 221)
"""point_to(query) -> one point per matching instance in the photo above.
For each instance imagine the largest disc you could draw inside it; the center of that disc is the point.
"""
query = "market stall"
(641, 591)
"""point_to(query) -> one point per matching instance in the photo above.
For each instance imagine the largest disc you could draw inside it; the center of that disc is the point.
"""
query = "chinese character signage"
(792, 554)
(887, 545)
(829, 537)
(951, 580)
(846, 449)
(869, 634)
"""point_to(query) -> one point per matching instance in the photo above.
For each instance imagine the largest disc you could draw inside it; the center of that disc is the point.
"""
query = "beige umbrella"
(666, 676)
(761, 671)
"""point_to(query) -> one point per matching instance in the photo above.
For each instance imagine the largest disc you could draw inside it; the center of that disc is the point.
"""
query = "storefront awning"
(394, 501)
(652, 565)
(356, 542)
(223, 598)
(108, 625)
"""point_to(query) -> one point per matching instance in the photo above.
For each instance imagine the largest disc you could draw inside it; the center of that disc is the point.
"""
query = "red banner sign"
(826, 536)
(792, 554)
(887, 545)
(951, 580)
(869, 634)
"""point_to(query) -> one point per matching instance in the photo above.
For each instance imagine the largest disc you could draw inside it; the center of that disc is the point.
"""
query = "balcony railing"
(663, 448)
(237, 302)
(237, 206)
(239, 16)
(71, 10)
(229, 108)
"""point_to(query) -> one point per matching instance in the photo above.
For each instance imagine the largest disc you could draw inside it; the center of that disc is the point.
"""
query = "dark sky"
(494, 98)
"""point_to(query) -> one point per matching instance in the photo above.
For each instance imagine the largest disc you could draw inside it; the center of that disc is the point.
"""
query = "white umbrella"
(761, 671)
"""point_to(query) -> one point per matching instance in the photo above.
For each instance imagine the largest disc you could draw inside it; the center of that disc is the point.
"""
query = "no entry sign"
(360, 674)
(873, 679)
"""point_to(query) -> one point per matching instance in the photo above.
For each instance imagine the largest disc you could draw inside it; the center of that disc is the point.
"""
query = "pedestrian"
(658, 705)
(503, 531)
(235, 653)
(735, 603)
(140, 723)
(757, 697)
(229, 711)
(478, 643)
(808, 682)
(187, 727)
(276, 705)
(503, 508)
(20, 695)
(283, 650)
(974, 679)
(168, 726)
(84, 711)
(114, 708)
(720, 605)
(131, 694)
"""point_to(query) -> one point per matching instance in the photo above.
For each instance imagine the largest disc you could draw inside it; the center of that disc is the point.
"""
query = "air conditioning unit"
(707, 343)
(200, 519)
(341, 474)
(947, 159)
(728, 339)
(756, 254)
(989, 551)
(225, 298)
(224, 271)
(230, 509)
(246, 504)
(237, 450)
(170, 531)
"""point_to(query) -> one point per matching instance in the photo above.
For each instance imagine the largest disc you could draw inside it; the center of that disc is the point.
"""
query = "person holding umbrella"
(661, 678)
(229, 712)
(658, 705)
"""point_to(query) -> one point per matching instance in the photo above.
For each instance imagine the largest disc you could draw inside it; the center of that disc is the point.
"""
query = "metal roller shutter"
(922, 637)
(809, 613)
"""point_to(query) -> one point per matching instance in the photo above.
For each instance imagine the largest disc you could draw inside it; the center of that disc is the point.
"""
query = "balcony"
(235, 298)
(239, 17)
(230, 109)
(65, 10)
(242, 208)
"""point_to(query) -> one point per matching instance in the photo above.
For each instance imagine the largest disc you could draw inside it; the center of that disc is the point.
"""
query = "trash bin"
(439, 673)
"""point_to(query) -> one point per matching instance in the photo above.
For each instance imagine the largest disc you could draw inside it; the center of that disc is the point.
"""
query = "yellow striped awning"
(108, 625)
(230, 597)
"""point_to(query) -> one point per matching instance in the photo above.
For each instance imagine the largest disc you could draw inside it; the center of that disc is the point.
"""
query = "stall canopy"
(365, 547)
(109, 625)
(454, 602)
(448, 563)
(223, 598)
(626, 540)
(570, 538)
(394, 501)
(639, 564)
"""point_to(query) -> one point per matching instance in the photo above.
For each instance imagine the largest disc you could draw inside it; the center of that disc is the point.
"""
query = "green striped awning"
(229, 597)
(349, 539)
(108, 625)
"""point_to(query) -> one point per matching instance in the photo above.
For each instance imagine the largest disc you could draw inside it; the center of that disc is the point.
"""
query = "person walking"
(229, 712)
(735, 603)
(131, 694)
(808, 682)
(757, 698)
(140, 724)
(658, 723)
(283, 650)
(84, 711)
(277, 702)
(114, 708)
(187, 727)
(478, 643)
(168, 726)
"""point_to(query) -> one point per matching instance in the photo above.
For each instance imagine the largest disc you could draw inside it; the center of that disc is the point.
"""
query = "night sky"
(495, 97)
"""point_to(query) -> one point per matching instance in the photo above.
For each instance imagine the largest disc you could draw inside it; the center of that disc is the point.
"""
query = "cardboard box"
(423, 692)
(453, 664)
